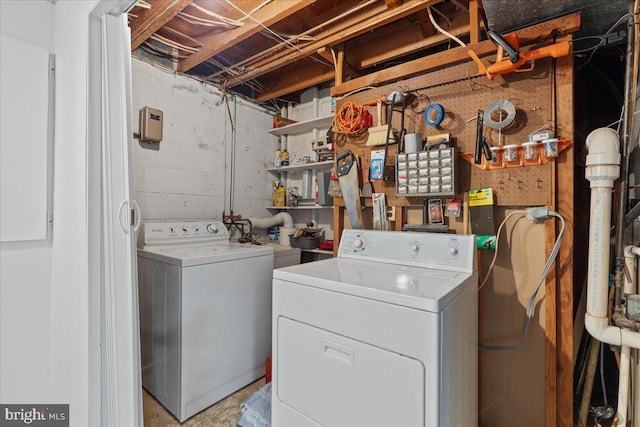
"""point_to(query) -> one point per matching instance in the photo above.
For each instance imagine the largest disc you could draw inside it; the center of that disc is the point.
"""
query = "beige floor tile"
(225, 413)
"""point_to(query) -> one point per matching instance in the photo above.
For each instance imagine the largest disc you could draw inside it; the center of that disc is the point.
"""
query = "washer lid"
(427, 289)
(191, 255)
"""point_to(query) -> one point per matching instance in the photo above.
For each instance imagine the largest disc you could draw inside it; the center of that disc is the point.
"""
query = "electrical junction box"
(150, 125)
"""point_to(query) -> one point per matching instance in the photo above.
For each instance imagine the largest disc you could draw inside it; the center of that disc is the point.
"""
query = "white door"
(121, 378)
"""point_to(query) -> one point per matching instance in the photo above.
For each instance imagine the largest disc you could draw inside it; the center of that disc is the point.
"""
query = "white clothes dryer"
(205, 313)
(383, 335)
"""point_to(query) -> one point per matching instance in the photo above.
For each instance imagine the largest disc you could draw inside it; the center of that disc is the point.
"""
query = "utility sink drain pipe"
(603, 168)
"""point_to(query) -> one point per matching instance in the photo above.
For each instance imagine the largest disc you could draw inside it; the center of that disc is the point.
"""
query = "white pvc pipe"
(623, 386)
(283, 218)
(603, 168)
(629, 379)
(635, 373)
(630, 286)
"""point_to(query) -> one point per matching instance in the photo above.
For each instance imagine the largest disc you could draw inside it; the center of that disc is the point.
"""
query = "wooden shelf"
(328, 164)
(302, 127)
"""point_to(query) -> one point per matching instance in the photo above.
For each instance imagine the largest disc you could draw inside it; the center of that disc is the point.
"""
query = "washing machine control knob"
(453, 250)
(358, 243)
(414, 247)
(172, 229)
(212, 228)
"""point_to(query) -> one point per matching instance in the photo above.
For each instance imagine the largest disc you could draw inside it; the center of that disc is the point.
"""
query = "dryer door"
(337, 381)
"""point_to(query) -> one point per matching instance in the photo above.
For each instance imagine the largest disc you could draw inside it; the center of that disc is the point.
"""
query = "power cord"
(495, 252)
(533, 214)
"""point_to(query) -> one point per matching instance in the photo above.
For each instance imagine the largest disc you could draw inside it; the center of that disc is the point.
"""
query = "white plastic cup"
(496, 153)
(530, 150)
(550, 147)
(510, 153)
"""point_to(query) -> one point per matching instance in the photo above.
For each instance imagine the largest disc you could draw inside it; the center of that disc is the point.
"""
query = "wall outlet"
(391, 213)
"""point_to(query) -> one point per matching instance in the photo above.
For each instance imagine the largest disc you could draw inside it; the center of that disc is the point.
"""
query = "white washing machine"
(383, 335)
(205, 313)
(285, 256)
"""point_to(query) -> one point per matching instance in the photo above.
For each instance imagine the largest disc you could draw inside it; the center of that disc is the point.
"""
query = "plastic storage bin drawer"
(304, 242)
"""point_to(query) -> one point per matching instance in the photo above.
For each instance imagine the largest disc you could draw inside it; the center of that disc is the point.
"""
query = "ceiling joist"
(150, 20)
(280, 46)
(216, 42)
(296, 79)
(340, 33)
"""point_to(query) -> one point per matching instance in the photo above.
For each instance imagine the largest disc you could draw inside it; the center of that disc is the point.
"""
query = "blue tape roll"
(439, 117)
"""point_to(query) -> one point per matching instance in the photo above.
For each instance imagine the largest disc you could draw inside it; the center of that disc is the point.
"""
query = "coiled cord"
(351, 120)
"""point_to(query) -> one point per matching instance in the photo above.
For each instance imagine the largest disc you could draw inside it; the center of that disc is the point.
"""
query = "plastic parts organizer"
(426, 173)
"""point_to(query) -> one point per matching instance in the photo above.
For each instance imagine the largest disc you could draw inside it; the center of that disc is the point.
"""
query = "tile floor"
(223, 414)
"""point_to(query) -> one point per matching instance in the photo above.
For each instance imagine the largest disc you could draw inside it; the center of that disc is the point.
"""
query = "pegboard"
(462, 96)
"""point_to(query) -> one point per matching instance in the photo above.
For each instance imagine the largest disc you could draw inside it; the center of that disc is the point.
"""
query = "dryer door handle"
(337, 351)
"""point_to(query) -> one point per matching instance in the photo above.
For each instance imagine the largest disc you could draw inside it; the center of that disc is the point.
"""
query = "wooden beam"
(295, 80)
(338, 226)
(151, 20)
(340, 33)
(422, 17)
(387, 44)
(340, 65)
(565, 263)
(217, 42)
(474, 22)
(392, 3)
(349, 70)
(562, 25)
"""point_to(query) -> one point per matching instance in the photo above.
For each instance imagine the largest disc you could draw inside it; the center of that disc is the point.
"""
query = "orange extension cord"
(352, 119)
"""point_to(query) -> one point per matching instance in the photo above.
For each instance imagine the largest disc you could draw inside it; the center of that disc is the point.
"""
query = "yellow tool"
(515, 61)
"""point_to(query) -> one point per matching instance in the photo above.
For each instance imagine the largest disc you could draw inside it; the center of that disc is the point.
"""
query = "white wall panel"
(24, 140)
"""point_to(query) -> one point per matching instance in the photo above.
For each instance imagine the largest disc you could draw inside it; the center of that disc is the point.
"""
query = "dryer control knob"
(358, 243)
(453, 250)
(212, 228)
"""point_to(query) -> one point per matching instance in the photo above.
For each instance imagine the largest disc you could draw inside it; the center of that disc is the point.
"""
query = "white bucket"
(284, 235)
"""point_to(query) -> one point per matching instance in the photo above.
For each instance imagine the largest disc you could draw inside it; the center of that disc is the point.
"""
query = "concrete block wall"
(188, 174)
